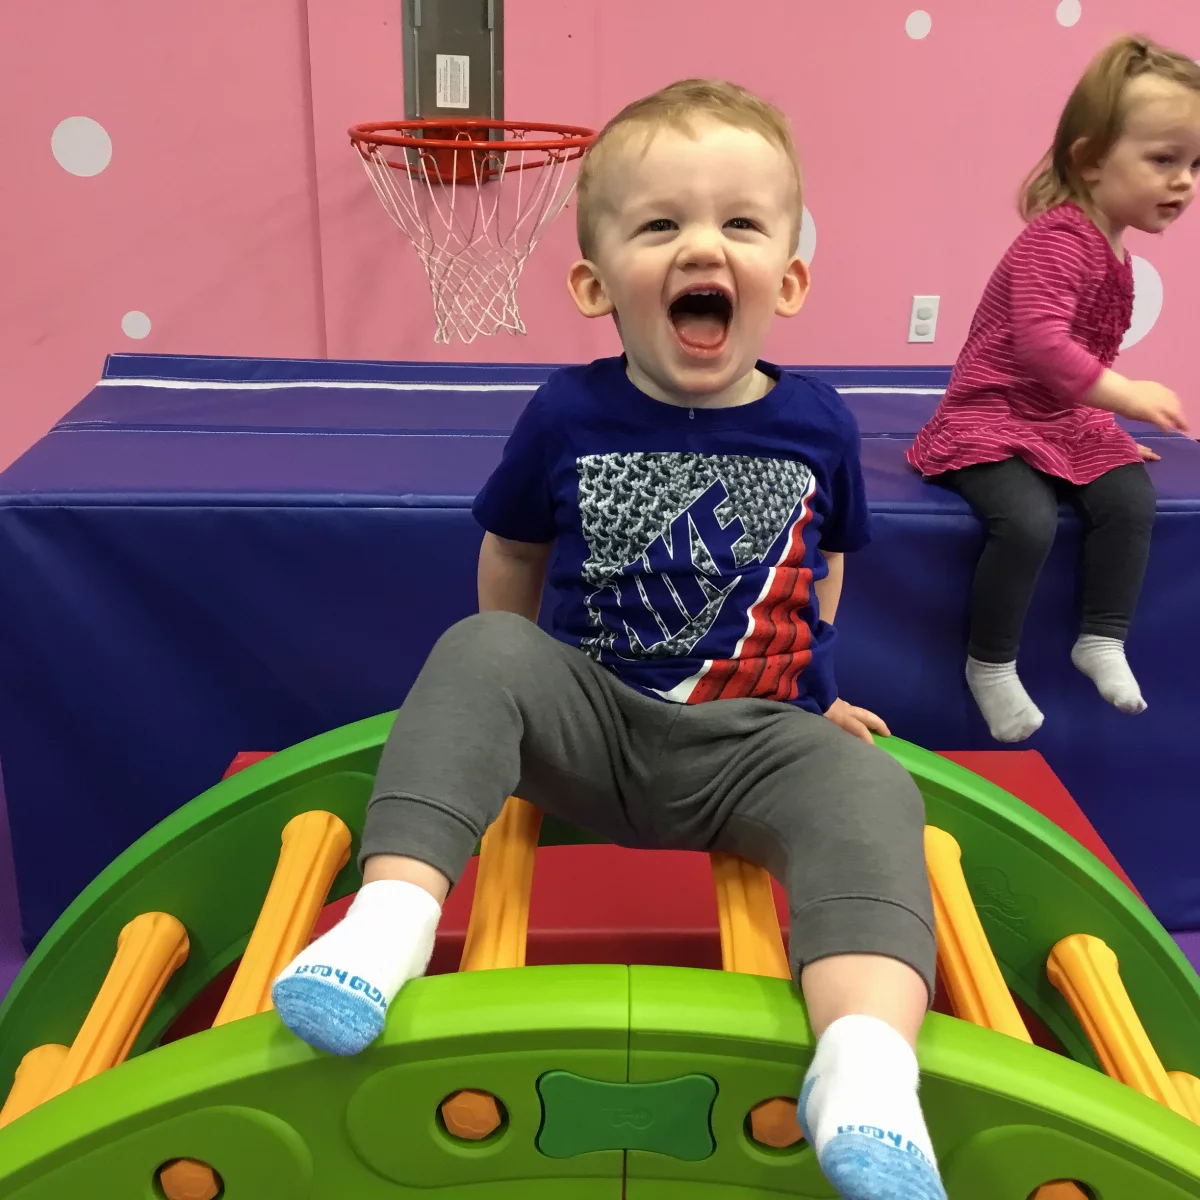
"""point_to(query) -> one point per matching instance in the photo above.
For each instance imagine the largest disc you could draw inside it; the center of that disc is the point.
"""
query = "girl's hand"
(859, 722)
(1147, 455)
(1155, 404)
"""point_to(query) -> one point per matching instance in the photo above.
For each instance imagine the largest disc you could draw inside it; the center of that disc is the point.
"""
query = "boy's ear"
(793, 289)
(587, 290)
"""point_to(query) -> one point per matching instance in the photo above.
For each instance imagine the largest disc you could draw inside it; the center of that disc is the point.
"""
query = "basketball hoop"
(474, 197)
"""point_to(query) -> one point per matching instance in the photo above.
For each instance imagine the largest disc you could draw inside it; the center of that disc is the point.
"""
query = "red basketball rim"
(573, 138)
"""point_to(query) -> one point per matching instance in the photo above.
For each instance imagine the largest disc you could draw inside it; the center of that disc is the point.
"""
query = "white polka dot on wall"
(806, 247)
(1147, 301)
(918, 24)
(1068, 12)
(81, 146)
(135, 324)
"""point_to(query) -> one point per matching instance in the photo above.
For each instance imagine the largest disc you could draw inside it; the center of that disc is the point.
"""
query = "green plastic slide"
(615, 1081)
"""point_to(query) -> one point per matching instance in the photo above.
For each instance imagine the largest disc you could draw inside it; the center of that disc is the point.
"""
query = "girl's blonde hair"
(677, 107)
(1095, 114)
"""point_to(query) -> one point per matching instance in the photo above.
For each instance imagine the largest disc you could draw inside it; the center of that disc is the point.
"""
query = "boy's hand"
(860, 722)
(1147, 455)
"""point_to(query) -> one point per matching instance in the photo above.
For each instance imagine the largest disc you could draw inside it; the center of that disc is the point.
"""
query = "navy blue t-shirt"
(686, 540)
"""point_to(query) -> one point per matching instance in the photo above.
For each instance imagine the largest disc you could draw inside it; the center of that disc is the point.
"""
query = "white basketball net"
(473, 235)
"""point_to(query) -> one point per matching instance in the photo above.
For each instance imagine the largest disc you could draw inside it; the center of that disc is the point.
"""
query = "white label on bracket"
(453, 81)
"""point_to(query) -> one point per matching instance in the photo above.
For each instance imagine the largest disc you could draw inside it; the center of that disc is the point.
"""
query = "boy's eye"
(659, 225)
(741, 223)
(1164, 160)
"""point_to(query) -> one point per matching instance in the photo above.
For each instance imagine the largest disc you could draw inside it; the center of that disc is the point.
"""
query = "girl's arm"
(1046, 282)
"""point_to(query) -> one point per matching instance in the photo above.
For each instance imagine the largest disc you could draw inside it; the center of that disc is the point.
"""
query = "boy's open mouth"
(700, 317)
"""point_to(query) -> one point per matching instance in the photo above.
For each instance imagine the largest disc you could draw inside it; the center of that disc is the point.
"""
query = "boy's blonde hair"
(1096, 112)
(677, 107)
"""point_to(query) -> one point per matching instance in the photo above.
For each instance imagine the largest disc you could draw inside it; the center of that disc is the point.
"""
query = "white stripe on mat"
(890, 391)
(225, 385)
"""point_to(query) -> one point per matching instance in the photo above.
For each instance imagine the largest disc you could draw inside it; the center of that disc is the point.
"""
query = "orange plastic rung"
(751, 942)
(1060, 1189)
(315, 847)
(1187, 1088)
(1086, 971)
(499, 924)
(974, 984)
(34, 1079)
(150, 949)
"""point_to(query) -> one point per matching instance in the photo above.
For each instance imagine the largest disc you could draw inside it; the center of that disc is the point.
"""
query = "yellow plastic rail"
(315, 846)
(969, 969)
(499, 925)
(150, 949)
(1087, 973)
(34, 1079)
(751, 942)
(1187, 1087)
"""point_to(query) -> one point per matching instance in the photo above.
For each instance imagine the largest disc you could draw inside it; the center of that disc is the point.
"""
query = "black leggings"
(1019, 506)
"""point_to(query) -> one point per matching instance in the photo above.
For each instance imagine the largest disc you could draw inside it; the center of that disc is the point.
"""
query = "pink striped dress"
(1051, 319)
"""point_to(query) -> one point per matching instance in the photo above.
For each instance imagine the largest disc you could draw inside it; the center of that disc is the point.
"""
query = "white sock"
(335, 993)
(388, 931)
(864, 1074)
(1102, 660)
(1010, 714)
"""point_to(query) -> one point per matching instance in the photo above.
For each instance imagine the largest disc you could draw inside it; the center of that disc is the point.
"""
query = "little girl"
(1028, 416)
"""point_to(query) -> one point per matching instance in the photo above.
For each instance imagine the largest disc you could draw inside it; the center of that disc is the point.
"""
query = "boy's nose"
(703, 245)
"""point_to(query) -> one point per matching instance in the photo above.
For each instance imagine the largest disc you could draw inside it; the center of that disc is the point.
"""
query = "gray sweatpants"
(501, 708)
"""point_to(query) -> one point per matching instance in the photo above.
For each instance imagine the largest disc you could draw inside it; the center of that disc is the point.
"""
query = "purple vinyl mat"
(1189, 943)
(269, 548)
(12, 956)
